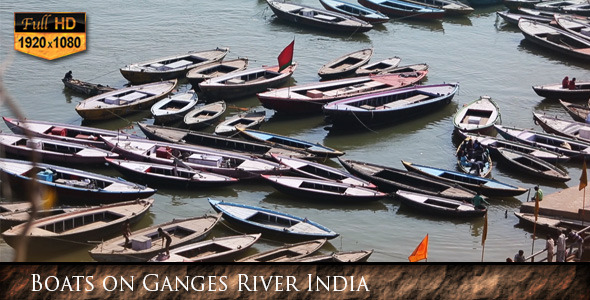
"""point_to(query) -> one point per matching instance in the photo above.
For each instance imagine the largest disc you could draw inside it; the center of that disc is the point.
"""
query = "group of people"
(568, 84)
(474, 155)
(565, 236)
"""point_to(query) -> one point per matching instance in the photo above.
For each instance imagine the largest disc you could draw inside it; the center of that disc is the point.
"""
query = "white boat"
(174, 107)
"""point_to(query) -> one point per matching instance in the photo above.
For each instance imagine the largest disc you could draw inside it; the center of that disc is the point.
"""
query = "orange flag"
(583, 178)
(421, 252)
(484, 235)
(286, 56)
(536, 208)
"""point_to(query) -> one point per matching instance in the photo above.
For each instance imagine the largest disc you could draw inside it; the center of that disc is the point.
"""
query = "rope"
(103, 75)
(362, 122)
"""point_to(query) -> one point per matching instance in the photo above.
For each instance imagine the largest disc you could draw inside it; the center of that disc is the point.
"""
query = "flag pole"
(484, 235)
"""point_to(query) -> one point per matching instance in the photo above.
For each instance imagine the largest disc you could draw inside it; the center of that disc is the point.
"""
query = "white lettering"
(291, 284)
(223, 283)
(47, 284)
(240, 283)
(144, 283)
(36, 280)
(90, 284)
(201, 285)
(104, 283)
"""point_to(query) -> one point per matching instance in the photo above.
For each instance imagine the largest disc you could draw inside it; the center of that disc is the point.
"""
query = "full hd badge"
(50, 35)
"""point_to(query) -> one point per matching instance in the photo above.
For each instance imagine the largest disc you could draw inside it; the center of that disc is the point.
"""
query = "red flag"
(484, 235)
(583, 178)
(421, 252)
(286, 56)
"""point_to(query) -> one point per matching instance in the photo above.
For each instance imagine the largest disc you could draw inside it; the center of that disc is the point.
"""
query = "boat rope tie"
(362, 122)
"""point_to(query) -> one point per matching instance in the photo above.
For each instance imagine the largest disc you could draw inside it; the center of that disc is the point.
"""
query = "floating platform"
(566, 203)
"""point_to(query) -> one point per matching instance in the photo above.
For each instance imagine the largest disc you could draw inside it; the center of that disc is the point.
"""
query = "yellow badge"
(49, 35)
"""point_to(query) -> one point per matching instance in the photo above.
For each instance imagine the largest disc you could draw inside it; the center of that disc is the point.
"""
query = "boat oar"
(238, 108)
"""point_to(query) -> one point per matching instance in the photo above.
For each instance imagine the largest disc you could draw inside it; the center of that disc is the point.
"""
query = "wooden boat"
(578, 112)
(527, 164)
(322, 190)
(514, 5)
(272, 224)
(573, 148)
(381, 67)
(550, 224)
(574, 26)
(286, 253)
(485, 186)
(69, 185)
(215, 69)
(147, 242)
(15, 213)
(493, 144)
(571, 129)
(440, 206)
(405, 69)
(63, 132)
(390, 180)
(321, 171)
(76, 228)
(226, 163)
(556, 5)
(466, 165)
(336, 257)
(243, 120)
(480, 3)
(214, 250)
(170, 67)
(124, 101)
(53, 151)
(580, 9)
(556, 91)
(355, 10)
(554, 39)
(536, 12)
(450, 7)
(309, 98)
(478, 116)
(346, 64)
(276, 139)
(397, 8)
(174, 107)
(86, 88)
(246, 82)
(388, 107)
(184, 136)
(303, 15)
(513, 18)
(167, 175)
(204, 116)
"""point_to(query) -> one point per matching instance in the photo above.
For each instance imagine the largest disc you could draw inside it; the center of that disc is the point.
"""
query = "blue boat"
(485, 186)
(271, 223)
(398, 8)
(284, 141)
(355, 10)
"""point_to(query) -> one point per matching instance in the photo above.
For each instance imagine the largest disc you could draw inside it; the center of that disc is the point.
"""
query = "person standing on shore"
(561, 248)
(577, 241)
(549, 246)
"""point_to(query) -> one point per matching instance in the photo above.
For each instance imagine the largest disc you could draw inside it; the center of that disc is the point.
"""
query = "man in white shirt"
(549, 246)
(561, 248)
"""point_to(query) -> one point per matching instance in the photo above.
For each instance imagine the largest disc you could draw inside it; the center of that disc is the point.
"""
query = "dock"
(566, 203)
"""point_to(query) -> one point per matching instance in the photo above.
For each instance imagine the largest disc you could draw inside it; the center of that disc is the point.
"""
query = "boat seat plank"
(240, 212)
(305, 227)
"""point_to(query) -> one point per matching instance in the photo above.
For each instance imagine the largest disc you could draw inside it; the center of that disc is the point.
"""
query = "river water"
(483, 53)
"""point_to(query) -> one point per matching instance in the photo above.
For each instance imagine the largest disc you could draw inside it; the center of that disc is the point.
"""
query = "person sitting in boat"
(572, 84)
(538, 194)
(463, 158)
(478, 200)
(68, 76)
(477, 166)
(565, 83)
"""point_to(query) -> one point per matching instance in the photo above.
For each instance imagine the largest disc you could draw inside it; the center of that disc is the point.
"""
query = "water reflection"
(283, 26)
(552, 56)
(423, 25)
(409, 212)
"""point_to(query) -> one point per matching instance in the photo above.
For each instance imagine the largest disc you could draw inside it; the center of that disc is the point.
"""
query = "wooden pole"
(533, 247)
(482, 251)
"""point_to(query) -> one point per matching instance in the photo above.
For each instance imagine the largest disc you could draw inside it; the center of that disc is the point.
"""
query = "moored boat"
(287, 252)
(276, 139)
(309, 98)
(389, 179)
(170, 67)
(71, 186)
(189, 137)
(220, 249)
(215, 69)
(346, 64)
(86, 88)
(527, 164)
(440, 206)
(485, 186)
(550, 224)
(556, 91)
(174, 107)
(556, 5)
(245, 83)
(322, 190)
(380, 67)
(77, 228)
(272, 224)
(571, 129)
(397, 8)
(578, 112)
(355, 10)
(242, 121)
(147, 242)
(204, 116)
(472, 159)
(554, 39)
(321, 171)
(478, 116)
(513, 18)
(15, 213)
(167, 175)
(514, 5)
(53, 151)
(574, 26)
(451, 7)
(388, 107)
(303, 15)
(336, 257)
(124, 101)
